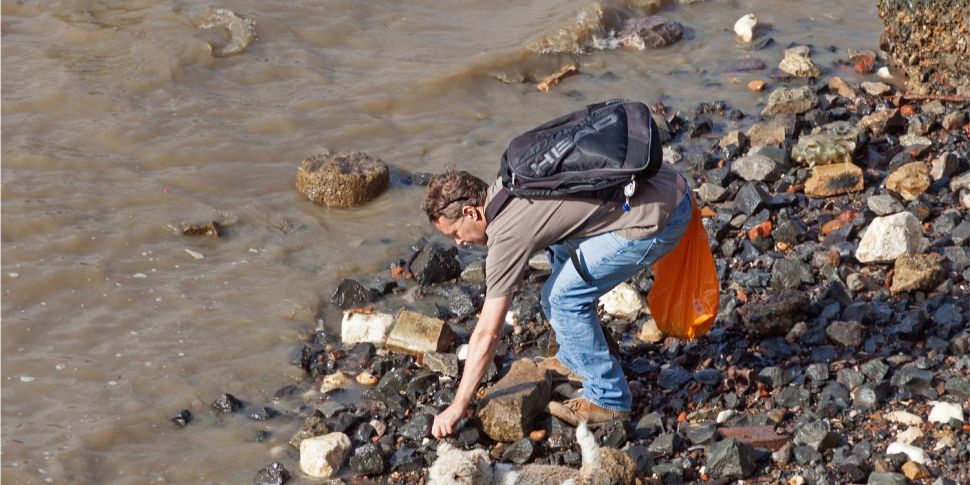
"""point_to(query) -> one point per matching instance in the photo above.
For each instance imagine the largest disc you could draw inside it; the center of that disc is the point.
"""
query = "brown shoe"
(559, 372)
(575, 411)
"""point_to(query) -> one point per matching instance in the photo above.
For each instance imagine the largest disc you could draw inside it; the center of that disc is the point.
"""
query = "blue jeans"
(570, 303)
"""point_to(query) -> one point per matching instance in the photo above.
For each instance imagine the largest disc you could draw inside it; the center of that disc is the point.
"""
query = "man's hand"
(481, 349)
(444, 422)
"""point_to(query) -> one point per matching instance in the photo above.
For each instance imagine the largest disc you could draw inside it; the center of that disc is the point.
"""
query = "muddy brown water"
(118, 124)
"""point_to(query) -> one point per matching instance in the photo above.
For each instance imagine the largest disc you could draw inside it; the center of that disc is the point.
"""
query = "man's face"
(467, 229)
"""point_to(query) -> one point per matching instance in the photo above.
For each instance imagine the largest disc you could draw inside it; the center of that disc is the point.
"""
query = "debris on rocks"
(242, 31)
(554, 78)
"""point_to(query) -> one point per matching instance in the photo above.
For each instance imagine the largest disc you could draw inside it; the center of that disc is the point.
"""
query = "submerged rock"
(798, 63)
(242, 31)
(649, 32)
(343, 179)
(745, 27)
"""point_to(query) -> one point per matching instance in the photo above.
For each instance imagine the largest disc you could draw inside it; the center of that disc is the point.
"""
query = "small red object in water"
(165, 189)
(864, 64)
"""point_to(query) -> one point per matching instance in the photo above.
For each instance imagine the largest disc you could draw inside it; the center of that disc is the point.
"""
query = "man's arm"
(481, 349)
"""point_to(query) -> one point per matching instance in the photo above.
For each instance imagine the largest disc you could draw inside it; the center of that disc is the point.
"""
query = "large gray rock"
(798, 63)
(756, 168)
(511, 407)
(794, 100)
(343, 179)
(730, 458)
(927, 39)
(890, 237)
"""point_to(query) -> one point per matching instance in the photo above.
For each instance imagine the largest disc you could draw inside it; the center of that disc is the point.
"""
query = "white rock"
(379, 427)
(510, 318)
(365, 327)
(462, 352)
(903, 417)
(965, 198)
(723, 416)
(943, 412)
(910, 139)
(890, 237)
(960, 182)
(540, 262)
(650, 333)
(624, 301)
(911, 436)
(334, 382)
(745, 26)
(321, 456)
(798, 63)
(883, 73)
(195, 254)
(876, 88)
(914, 453)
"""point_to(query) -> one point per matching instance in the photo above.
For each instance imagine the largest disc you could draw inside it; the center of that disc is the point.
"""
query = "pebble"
(903, 417)
(756, 85)
(943, 412)
(914, 453)
(745, 27)
(195, 254)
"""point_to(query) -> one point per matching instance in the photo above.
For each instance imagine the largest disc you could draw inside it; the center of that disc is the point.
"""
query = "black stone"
(776, 314)
(791, 397)
(351, 294)
(750, 198)
(261, 413)
(702, 434)
(519, 452)
(182, 418)
(417, 428)
(817, 435)
(226, 404)
(274, 474)
(673, 377)
(666, 444)
(649, 425)
(367, 460)
(730, 458)
(404, 460)
(436, 264)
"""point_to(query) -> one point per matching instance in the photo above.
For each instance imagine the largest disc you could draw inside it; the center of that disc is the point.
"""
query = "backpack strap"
(571, 246)
(497, 203)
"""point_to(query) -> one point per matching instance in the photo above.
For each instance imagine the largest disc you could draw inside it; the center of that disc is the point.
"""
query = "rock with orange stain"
(760, 231)
(756, 85)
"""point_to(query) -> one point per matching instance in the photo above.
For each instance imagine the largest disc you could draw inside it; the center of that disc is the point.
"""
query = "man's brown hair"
(450, 191)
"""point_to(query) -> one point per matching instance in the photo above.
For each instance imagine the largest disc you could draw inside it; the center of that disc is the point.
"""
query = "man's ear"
(471, 211)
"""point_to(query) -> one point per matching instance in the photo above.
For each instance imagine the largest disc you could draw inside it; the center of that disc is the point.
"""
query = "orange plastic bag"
(685, 297)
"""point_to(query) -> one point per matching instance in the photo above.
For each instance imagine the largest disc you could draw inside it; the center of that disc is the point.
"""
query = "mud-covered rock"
(927, 39)
(343, 179)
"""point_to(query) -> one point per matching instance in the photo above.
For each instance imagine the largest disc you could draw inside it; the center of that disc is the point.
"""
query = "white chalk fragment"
(745, 27)
(195, 254)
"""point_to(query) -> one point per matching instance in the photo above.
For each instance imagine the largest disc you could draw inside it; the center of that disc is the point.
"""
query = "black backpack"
(587, 153)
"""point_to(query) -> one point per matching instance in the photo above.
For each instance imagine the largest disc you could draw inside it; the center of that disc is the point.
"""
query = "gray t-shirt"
(527, 225)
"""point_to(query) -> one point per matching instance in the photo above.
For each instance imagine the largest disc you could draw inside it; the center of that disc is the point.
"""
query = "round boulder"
(342, 179)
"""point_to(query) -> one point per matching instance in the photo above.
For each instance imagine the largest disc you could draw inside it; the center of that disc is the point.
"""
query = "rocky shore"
(841, 354)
